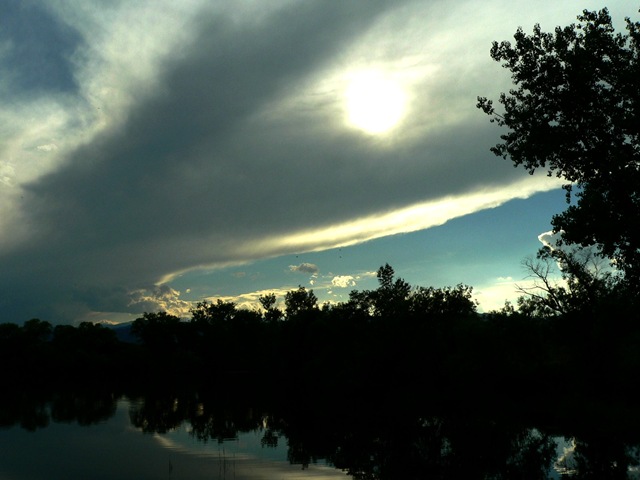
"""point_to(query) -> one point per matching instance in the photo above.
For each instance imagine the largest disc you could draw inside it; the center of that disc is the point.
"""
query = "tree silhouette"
(157, 329)
(36, 331)
(268, 302)
(390, 299)
(575, 112)
(300, 301)
(214, 313)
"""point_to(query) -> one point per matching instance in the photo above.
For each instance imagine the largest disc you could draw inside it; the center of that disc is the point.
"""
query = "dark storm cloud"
(37, 47)
(197, 169)
(142, 191)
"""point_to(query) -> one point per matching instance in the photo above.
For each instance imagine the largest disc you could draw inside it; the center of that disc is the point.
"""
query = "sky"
(154, 154)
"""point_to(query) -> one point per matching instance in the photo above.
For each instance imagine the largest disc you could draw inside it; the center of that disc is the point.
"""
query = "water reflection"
(36, 410)
(598, 458)
(207, 435)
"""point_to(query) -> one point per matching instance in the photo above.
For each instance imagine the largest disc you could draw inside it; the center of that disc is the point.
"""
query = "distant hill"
(123, 332)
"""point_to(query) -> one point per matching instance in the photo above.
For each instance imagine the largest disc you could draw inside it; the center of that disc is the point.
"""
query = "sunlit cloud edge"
(413, 218)
(409, 219)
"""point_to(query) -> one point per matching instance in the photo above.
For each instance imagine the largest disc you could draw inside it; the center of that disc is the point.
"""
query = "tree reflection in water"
(32, 411)
(371, 442)
(367, 440)
(598, 457)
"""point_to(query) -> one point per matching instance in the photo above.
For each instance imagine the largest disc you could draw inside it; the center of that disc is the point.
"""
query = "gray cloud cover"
(235, 136)
(38, 48)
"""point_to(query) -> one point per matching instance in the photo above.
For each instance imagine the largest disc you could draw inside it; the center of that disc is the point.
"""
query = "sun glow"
(374, 103)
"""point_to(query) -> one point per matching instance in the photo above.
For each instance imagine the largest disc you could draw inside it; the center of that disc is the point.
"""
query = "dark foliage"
(577, 336)
(397, 382)
(575, 112)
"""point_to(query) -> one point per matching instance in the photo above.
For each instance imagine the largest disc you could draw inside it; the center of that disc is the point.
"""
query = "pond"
(114, 448)
(198, 435)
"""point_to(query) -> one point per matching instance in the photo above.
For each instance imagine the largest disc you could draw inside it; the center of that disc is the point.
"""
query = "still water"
(170, 437)
(114, 448)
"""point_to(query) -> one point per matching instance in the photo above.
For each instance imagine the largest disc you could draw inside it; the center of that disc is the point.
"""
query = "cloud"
(304, 268)
(343, 281)
(227, 140)
(251, 300)
(160, 298)
(39, 47)
(6, 173)
(49, 147)
(550, 239)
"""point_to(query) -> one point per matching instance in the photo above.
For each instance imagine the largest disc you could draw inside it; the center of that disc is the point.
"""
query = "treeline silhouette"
(571, 340)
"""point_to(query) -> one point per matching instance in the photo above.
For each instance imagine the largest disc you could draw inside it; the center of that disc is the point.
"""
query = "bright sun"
(374, 103)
